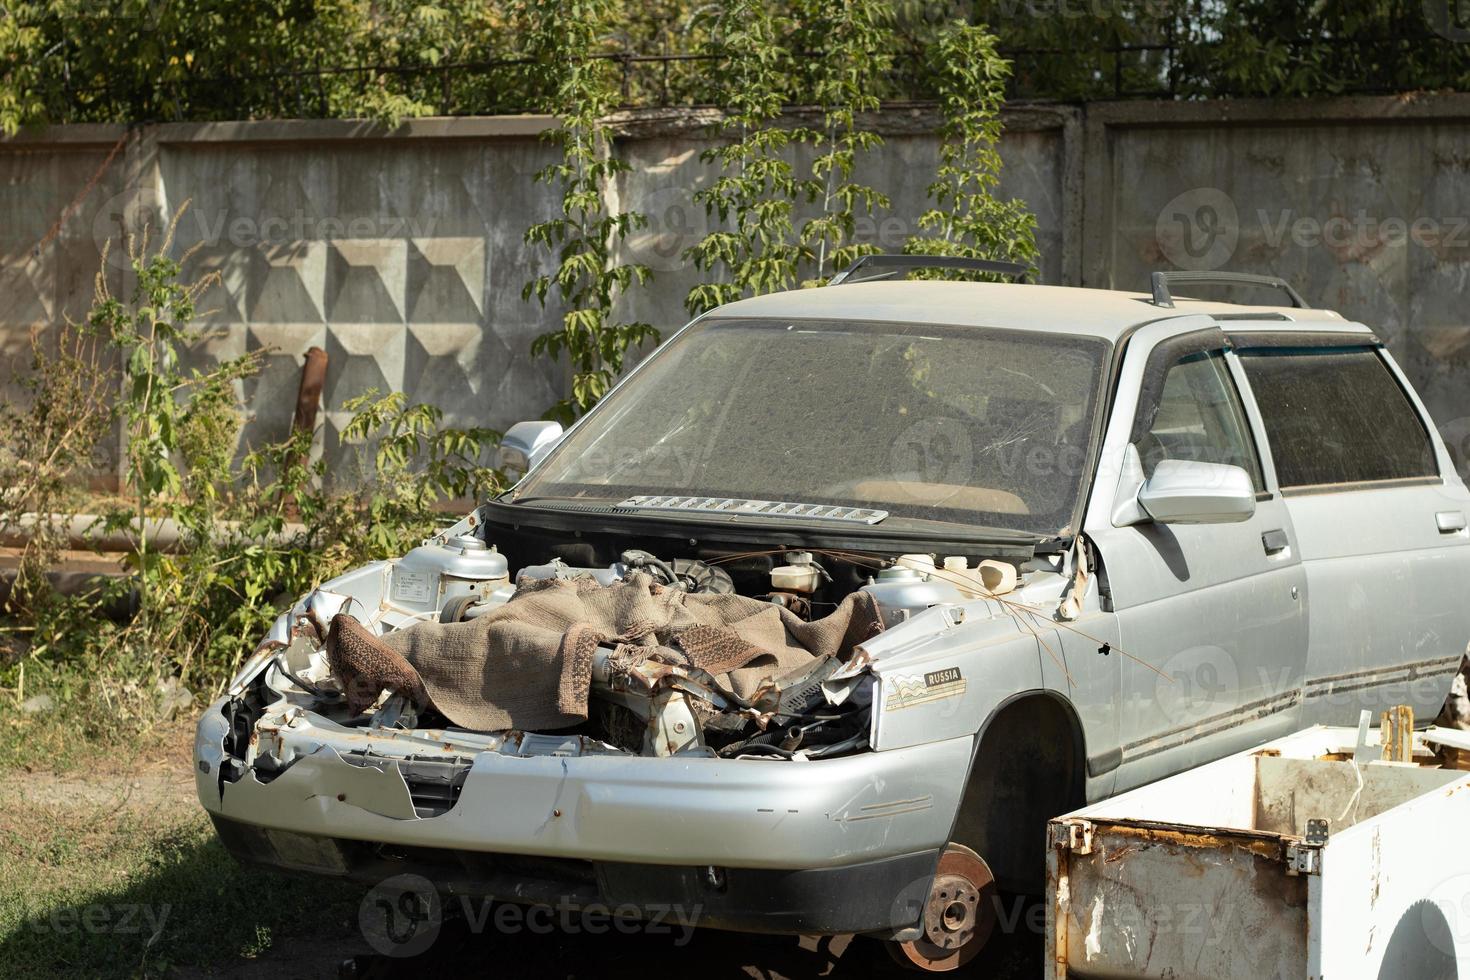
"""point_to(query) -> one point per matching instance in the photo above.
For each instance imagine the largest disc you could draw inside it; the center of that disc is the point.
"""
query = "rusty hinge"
(1074, 835)
(1305, 856)
(1303, 859)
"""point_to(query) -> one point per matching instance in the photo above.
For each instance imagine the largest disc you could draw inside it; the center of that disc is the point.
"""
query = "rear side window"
(1337, 416)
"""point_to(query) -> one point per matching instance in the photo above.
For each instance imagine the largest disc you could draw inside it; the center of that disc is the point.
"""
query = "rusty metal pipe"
(83, 532)
(309, 394)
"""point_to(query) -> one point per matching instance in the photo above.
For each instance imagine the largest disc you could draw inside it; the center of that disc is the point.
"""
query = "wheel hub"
(959, 914)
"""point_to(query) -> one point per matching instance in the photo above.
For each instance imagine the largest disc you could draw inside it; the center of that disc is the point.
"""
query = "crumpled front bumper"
(866, 821)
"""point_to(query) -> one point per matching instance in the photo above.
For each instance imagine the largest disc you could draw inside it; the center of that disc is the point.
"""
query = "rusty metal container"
(1305, 857)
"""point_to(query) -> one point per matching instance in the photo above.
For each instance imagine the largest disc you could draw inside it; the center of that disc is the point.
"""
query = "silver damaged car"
(1110, 536)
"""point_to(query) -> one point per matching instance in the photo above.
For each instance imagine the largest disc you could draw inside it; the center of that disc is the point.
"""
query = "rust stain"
(1266, 846)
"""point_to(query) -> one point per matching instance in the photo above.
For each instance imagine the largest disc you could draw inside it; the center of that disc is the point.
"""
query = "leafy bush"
(47, 446)
(247, 532)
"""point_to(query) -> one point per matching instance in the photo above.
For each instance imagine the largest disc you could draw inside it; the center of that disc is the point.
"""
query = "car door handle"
(1275, 542)
(1450, 521)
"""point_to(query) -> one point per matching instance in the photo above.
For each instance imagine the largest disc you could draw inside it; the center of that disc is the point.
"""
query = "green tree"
(753, 249)
(967, 218)
(561, 40)
(851, 44)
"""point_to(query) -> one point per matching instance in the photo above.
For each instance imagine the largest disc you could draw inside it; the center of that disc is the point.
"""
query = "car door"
(1380, 519)
(1211, 620)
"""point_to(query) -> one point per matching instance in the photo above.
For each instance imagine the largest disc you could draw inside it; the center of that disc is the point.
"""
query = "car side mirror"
(524, 445)
(1186, 491)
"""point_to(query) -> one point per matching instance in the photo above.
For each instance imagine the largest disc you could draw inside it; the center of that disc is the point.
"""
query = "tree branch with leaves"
(968, 219)
(852, 45)
(561, 36)
(754, 248)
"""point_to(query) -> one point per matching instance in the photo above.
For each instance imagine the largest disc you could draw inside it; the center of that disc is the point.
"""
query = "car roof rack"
(1162, 280)
(897, 263)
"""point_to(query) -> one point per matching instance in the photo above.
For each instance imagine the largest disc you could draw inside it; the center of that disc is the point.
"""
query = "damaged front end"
(734, 787)
(648, 699)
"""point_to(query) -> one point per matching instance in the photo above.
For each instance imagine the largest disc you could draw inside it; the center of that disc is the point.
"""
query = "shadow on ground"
(188, 910)
(462, 949)
(191, 912)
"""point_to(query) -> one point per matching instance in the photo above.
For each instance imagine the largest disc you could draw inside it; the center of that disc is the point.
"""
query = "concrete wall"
(1363, 204)
(400, 251)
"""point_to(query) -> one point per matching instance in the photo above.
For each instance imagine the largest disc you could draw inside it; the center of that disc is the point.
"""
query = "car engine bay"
(655, 705)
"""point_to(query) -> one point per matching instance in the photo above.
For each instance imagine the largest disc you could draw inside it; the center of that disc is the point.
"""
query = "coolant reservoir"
(923, 564)
(987, 578)
(432, 573)
(902, 592)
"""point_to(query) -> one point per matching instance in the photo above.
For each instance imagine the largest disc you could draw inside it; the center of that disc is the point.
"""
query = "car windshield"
(960, 424)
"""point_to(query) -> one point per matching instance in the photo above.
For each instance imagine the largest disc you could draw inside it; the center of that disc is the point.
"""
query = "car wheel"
(959, 915)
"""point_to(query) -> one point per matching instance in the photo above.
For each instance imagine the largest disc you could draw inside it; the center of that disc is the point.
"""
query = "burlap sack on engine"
(528, 664)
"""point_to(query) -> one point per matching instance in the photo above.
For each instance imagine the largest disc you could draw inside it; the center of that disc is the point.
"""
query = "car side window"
(1199, 417)
(1337, 416)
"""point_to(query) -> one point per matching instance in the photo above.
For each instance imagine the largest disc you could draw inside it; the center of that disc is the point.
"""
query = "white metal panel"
(1395, 892)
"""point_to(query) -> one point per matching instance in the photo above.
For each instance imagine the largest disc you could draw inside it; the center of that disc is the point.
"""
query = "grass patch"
(50, 741)
(114, 871)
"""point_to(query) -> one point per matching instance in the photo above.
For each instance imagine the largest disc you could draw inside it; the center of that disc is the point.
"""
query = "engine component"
(560, 569)
(799, 604)
(466, 607)
(988, 577)
(800, 574)
(686, 574)
(432, 573)
(902, 592)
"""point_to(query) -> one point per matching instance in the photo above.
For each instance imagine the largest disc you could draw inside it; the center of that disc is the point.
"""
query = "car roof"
(1106, 313)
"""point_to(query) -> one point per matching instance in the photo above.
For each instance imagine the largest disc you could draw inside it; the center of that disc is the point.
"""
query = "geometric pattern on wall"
(403, 259)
